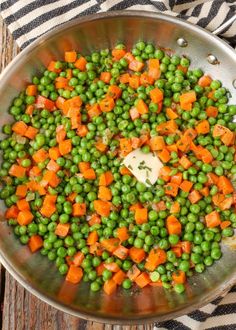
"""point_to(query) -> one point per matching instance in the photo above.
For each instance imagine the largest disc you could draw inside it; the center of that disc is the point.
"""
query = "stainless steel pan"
(35, 272)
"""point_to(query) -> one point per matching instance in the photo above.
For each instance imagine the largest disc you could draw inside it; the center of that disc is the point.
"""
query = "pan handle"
(224, 26)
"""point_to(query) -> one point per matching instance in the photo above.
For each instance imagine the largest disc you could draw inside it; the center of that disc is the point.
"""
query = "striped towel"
(28, 19)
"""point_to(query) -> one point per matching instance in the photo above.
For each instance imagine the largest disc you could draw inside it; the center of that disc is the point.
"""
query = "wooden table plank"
(20, 309)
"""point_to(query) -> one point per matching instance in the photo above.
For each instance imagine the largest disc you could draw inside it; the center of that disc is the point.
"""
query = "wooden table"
(19, 309)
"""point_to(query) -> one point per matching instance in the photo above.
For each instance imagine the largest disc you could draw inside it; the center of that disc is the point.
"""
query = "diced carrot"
(74, 274)
(164, 155)
(79, 209)
(40, 156)
(205, 191)
(171, 114)
(23, 205)
(100, 269)
(114, 91)
(136, 66)
(47, 210)
(80, 63)
(182, 68)
(142, 280)
(106, 178)
(105, 77)
(146, 79)
(137, 255)
(84, 166)
(133, 273)
(60, 133)
(35, 171)
(94, 111)
(29, 109)
(74, 102)
(61, 82)
(225, 185)
(19, 128)
(185, 162)
(95, 219)
(110, 244)
(70, 56)
(161, 206)
(12, 212)
(109, 287)
(125, 146)
(141, 216)
(118, 53)
(164, 173)
(21, 190)
(135, 142)
(51, 178)
(62, 229)
(121, 252)
(65, 147)
(107, 104)
(212, 111)
(194, 196)
(31, 132)
(124, 78)
(103, 208)
(104, 193)
(134, 81)
(203, 127)
(212, 219)
(89, 174)
(169, 127)
(44, 103)
(156, 95)
(212, 179)
(157, 143)
(141, 107)
(129, 57)
(78, 258)
(53, 166)
(59, 102)
(219, 130)
(96, 249)
(186, 185)
(92, 238)
(171, 189)
(206, 156)
(179, 277)
(228, 138)
(135, 206)
(177, 251)
(187, 99)
(225, 224)
(101, 146)
(119, 277)
(24, 217)
(175, 208)
(31, 90)
(177, 178)
(173, 225)
(154, 68)
(186, 246)
(54, 153)
(122, 233)
(155, 258)
(72, 197)
(204, 81)
(35, 243)
(226, 203)
(17, 171)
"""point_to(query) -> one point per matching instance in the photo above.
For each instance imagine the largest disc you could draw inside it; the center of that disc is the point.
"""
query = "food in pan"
(118, 167)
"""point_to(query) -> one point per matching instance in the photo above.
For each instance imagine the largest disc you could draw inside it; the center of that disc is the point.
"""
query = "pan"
(88, 34)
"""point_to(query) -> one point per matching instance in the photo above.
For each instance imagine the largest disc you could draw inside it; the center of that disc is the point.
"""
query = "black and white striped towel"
(28, 19)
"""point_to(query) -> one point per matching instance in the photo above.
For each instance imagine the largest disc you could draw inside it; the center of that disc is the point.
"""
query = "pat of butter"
(145, 167)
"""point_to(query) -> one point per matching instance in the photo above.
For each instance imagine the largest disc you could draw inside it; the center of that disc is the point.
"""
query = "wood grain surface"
(19, 309)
